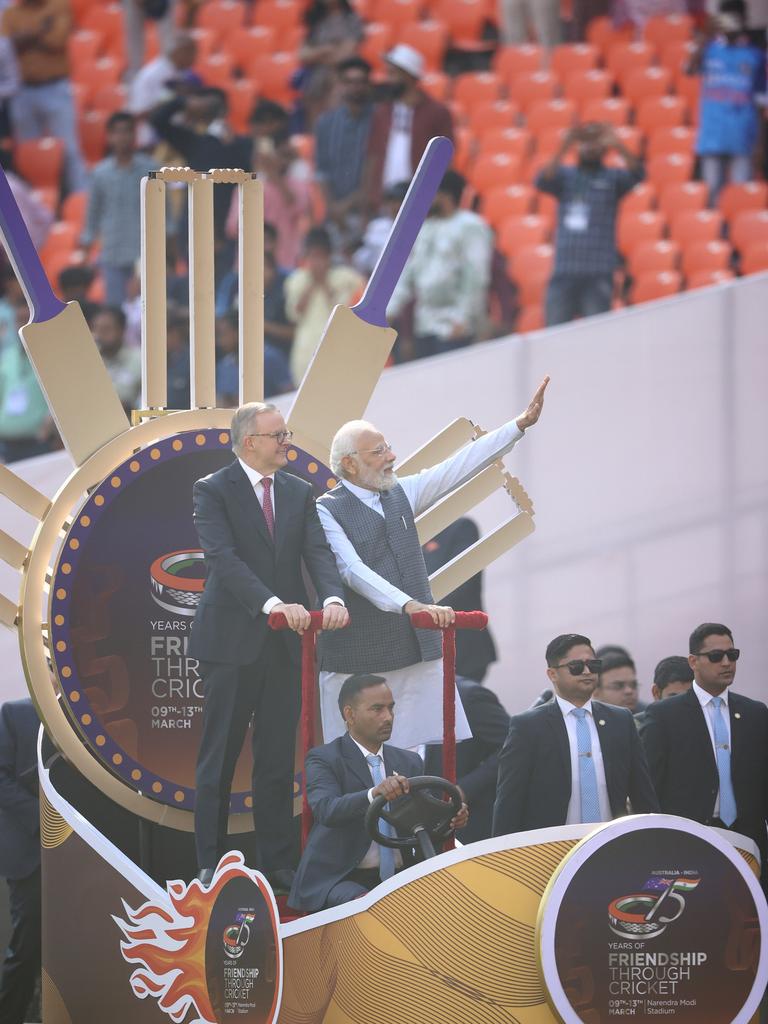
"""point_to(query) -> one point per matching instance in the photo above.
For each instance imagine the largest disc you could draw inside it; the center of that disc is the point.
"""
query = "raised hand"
(532, 413)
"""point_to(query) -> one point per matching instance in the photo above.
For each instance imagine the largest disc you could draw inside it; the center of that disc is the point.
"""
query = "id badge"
(577, 217)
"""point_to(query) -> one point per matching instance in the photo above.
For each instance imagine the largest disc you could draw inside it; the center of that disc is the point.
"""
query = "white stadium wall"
(648, 472)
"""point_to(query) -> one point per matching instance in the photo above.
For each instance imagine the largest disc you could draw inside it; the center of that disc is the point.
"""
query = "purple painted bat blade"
(372, 307)
(23, 255)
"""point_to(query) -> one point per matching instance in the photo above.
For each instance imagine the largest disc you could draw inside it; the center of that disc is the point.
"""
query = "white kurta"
(417, 689)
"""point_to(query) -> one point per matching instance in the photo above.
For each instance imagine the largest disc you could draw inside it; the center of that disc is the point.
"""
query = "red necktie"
(266, 505)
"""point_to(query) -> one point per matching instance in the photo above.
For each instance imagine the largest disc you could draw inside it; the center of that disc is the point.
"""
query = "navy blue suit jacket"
(19, 804)
(534, 787)
(338, 778)
(245, 566)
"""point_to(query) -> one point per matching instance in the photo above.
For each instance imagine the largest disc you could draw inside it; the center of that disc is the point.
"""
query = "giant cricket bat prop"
(61, 348)
(358, 339)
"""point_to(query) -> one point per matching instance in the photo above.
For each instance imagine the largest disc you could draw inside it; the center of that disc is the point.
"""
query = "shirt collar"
(364, 751)
(705, 698)
(363, 493)
(566, 707)
(254, 476)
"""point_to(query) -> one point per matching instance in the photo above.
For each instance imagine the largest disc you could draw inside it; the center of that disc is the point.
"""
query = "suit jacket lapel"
(355, 760)
(701, 732)
(282, 509)
(393, 761)
(606, 737)
(735, 713)
(247, 497)
(557, 724)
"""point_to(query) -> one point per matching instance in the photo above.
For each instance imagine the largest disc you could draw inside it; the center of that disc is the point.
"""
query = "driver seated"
(343, 778)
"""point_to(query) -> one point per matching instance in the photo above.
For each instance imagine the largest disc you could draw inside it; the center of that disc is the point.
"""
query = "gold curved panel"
(54, 1009)
(54, 831)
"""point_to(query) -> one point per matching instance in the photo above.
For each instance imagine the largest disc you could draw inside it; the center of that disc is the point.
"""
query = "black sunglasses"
(732, 654)
(576, 667)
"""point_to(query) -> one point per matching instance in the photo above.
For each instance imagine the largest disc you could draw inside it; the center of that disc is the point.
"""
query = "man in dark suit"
(20, 855)
(256, 525)
(477, 759)
(708, 748)
(571, 760)
(475, 649)
(343, 777)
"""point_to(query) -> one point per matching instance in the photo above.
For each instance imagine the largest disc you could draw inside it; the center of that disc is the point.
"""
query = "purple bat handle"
(23, 255)
(372, 307)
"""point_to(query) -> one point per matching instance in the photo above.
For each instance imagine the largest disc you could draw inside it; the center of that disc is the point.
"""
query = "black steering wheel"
(421, 816)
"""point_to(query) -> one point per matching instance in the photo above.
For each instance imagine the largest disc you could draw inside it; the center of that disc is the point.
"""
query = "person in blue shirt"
(732, 73)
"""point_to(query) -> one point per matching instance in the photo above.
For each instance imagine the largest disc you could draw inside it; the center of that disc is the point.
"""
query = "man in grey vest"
(369, 520)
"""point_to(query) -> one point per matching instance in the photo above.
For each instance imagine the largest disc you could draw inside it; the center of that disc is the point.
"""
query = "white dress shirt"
(372, 858)
(705, 699)
(256, 480)
(574, 804)
(422, 491)
(397, 158)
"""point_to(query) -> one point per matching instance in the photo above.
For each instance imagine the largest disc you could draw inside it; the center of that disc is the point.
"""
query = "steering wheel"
(421, 816)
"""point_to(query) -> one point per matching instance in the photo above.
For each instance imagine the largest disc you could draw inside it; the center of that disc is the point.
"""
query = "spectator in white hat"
(403, 125)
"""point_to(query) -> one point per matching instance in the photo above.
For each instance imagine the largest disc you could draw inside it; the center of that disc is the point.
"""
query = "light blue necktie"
(386, 853)
(723, 752)
(590, 802)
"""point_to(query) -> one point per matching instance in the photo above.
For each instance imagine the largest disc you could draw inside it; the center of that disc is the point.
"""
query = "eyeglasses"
(383, 449)
(732, 654)
(277, 435)
(577, 666)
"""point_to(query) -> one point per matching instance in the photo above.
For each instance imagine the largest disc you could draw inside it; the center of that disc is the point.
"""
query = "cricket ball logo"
(646, 914)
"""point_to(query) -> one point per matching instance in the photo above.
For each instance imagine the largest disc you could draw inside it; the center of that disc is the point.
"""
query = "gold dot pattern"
(117, 759)
(200, 439)
(100, 741)
(59, 620)
(155, 454)
(178, 796)
(85, 520)
(135, 774)
(157, 787)
(224, 438)
(292, 455)
(60, 645)
(66, 672)
(86, 719)
(177, 445)
(61, 593)
(115, 482)
(134, 465)
(99, 500)
(74, 543)
(66, 568)
(74, 696)
(312, 467)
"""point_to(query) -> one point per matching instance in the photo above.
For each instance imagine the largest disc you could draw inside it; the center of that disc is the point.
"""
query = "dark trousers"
(268, 690)
(22, 958)
(572, 295)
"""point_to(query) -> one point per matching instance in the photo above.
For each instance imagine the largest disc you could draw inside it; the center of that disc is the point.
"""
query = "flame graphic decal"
(169, 943)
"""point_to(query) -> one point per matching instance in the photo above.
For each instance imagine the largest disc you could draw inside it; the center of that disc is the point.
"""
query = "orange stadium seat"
(110, 98)
(499, 204)
(107, 19)
(241, 93)
(688, 88)
(640, 199)
(644, 82)
(280, 15)
(521, 232)
(669, 167)
(79, 9)
(465, 20)
(73, 210)
(749, 227)
(436, 84)
(492, 170)
(634, 228)
(510, 61)
(650, 257)
(547, 114)
(584, 87)
(92, 128)
(515, 141)
(58, 260)
(396, 12)
(631, 137)
(222, 17)
(662, 29)
(430, 38)
(678, 196)
(571, 58)
(39, 161)
(549, 141)
(656, 285)
(98, 74)
(546, 207)
(245, 43)
(624, 58)
(84, 44)
(755, 258)
(701, 256)
(613, 109)
(273, 72)
(676, 55)
(752, 195)
(62, 237)
(706, 278)
(532, 87)
(676, 139)
(532, 265)
(656, 112)
(49, 197)
(376, 42)
(602, 33)
(485, 117)
(691, 226)
(476, 87)
(531, 318)
(217, 69)
(464, 141)
(205, 41)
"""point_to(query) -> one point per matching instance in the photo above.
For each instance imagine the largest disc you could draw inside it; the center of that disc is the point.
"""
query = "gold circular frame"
(34, 615)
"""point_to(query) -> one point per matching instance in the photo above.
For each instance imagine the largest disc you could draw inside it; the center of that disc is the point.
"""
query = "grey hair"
(243, 420)
(344, 443)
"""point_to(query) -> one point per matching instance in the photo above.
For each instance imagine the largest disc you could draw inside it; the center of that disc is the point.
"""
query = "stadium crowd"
(603, 157)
